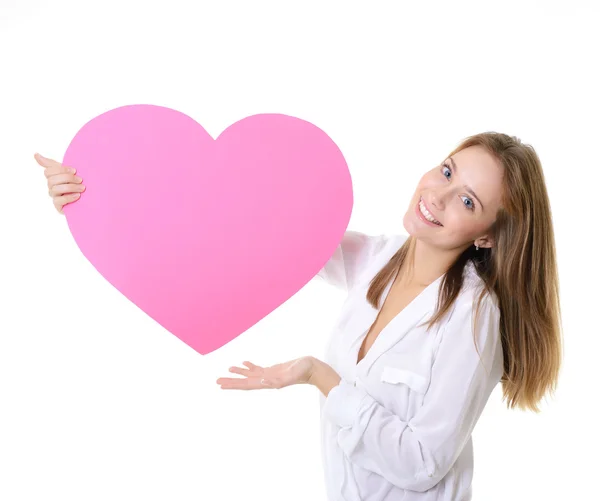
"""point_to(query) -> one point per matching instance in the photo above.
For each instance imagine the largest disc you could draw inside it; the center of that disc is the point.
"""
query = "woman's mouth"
(425, 215)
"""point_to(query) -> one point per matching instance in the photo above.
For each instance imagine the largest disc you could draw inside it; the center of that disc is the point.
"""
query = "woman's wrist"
(323, 376)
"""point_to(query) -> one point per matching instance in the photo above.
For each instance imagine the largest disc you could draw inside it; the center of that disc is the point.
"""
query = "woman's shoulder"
(378, 248)
(473, 288)
(390, 243)
(380, 241)
(385, 246)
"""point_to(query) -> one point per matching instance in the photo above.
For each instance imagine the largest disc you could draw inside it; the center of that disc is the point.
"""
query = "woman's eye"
(472, 206)
(446, 169)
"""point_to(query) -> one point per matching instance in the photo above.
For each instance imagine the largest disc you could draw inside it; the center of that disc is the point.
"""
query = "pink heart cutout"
(207, 236)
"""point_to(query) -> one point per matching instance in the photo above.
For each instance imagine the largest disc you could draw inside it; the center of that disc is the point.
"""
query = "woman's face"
(464, 195)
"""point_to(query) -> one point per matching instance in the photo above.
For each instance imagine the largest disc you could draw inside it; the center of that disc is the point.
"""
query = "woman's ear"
(485, 242)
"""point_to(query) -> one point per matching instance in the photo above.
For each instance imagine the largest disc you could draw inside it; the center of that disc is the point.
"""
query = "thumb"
(270, 383)
(41, 160)
(47, 162)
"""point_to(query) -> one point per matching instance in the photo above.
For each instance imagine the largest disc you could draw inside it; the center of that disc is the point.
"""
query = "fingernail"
(72, 171)
(76, 195)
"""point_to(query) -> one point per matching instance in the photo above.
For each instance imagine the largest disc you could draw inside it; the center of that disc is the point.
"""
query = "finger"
(239, 384)
(63, 178)
(60, 202)
(47, 162)
(54, 171)
(241, 371)
(63, 189)
(253, 367)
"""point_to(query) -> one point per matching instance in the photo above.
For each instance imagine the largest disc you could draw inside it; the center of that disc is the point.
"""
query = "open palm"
(277, 376)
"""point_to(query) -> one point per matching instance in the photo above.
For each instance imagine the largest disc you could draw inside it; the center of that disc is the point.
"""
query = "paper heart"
(207, 236)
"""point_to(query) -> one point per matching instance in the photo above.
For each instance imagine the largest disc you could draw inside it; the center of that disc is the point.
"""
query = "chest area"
(396, 301)
(388, 351)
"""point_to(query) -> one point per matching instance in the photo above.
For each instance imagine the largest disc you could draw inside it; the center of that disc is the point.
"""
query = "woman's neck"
(425, 263)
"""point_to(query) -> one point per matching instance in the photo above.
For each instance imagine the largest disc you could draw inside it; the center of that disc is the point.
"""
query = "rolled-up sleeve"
(418, 453)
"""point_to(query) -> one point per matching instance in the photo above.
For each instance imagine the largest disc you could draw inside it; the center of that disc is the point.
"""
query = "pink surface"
(207, 236)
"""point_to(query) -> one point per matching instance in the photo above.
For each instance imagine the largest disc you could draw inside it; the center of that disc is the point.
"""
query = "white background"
(98, 402)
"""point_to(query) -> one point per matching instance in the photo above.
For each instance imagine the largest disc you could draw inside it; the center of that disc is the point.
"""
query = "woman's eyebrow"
(468, 188)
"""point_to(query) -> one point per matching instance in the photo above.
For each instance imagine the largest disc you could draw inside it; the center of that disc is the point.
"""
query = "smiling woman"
(433, 322)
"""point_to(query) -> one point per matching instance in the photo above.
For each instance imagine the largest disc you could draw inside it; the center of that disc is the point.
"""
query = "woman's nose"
(437, 200)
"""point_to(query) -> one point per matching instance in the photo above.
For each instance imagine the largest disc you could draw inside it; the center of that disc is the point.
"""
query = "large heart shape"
(207, 236)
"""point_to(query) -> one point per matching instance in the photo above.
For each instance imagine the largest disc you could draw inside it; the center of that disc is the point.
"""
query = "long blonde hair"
(520, 269)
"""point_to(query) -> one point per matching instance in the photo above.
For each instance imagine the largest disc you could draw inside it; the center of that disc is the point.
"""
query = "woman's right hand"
(63, 185)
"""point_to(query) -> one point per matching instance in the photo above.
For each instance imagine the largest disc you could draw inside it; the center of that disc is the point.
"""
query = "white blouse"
(398, 426)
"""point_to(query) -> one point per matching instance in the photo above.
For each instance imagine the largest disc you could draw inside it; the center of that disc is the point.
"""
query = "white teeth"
(427, 214)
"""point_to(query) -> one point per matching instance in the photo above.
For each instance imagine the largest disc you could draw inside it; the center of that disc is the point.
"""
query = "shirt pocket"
(393, 375)
(403, 380)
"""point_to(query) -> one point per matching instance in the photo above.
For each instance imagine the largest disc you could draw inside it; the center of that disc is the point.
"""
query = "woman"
(432, 322)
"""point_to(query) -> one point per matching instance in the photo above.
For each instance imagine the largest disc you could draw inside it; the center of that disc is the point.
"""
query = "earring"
(476, 247)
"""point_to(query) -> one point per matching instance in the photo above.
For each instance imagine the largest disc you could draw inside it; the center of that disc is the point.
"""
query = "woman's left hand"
(297, 371)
